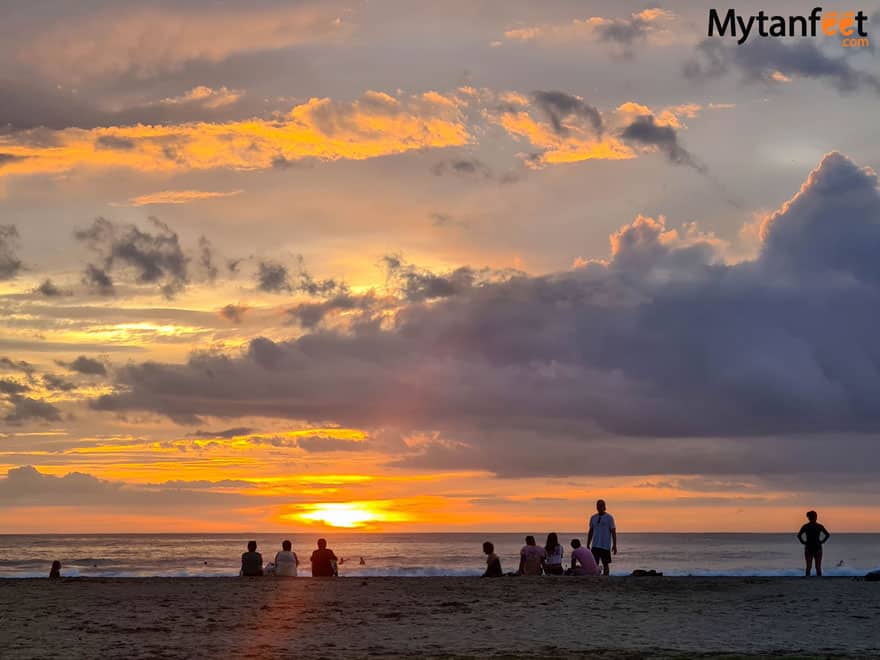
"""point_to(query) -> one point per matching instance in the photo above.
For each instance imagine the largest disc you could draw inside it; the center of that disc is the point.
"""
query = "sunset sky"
(461, 265)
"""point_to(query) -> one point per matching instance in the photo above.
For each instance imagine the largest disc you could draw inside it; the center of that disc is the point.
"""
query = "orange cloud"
(179, 197)
(374, 125)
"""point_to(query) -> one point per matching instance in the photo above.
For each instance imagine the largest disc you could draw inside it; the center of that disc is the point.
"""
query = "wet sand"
(438, 617)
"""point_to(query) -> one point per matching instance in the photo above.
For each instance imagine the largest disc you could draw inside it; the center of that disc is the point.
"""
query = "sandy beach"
(438, 617)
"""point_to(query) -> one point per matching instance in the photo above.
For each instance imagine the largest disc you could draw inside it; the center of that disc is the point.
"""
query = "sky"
(412, 266)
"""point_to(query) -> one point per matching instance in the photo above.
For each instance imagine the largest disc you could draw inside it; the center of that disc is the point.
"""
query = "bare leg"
(819, 562)
(808, 557)
(605, 568)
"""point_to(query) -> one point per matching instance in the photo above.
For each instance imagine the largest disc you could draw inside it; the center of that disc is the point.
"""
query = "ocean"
(212, 555)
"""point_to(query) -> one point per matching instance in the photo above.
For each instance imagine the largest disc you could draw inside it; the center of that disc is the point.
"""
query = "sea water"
(211, 555)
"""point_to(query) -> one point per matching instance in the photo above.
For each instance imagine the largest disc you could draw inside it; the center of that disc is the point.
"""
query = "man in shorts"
(602, 538)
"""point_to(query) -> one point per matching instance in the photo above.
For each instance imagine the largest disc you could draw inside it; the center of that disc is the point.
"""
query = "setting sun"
(347, 514)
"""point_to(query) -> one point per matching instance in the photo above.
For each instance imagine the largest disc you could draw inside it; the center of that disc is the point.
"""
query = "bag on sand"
(643, 573)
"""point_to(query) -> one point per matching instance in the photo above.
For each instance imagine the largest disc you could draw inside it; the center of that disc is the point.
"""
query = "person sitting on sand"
(812, 536)
(55, 571)
(493, 562)
(323, 561)
(251, 561)
(531, 558)
(582, 560)
(602, 538)
(286, 561)
(553, 561)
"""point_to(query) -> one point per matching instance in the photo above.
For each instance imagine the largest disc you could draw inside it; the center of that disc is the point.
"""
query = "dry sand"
(438, 617)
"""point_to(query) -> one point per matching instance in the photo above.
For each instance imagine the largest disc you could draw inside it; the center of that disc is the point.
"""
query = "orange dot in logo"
(829, 23)
(846, 23)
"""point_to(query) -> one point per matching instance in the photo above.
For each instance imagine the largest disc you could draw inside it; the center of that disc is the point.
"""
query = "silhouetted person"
(531, 558)
(812, 536)
(553, 560)
(323, 561)
(602, 539)
(362, 562)
(493, 563)
(582, 560)
(286, 561)
(251, 561)
(55, 571)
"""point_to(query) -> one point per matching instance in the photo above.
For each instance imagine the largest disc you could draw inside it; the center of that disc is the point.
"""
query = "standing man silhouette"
(602, 538)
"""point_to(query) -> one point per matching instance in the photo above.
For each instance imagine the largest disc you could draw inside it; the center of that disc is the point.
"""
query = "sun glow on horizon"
(351, 515)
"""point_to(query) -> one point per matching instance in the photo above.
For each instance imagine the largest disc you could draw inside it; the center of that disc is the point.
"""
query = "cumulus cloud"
(662, 340)
(153, 257)
(8, 364)
(10, 264)
(233, 313)
(86, 365)
(559, 105)
(778, 61)
(98, 280)
(645, 131)
(273, 277)
(25, 409)
(56, 383)
(49, 289)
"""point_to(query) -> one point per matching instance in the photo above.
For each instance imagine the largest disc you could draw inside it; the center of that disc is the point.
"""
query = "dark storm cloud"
(97, 280)
(8, 386)
(57, 383)
(10, 264)
(86, 365)
(26, 409)
(640, 361)
(7, 364)
(646, 132)
(558, 106)
(153, 257)
(49, 289)
(417, 284)
(311, 314)
(234, 313)
(273, 277)
(760, 59)
(277, 277)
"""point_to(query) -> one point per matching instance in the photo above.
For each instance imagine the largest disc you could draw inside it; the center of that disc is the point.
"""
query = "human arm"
(614, 540)
(522, 563)
(801, 535)
(826, 533)
(590, 536)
